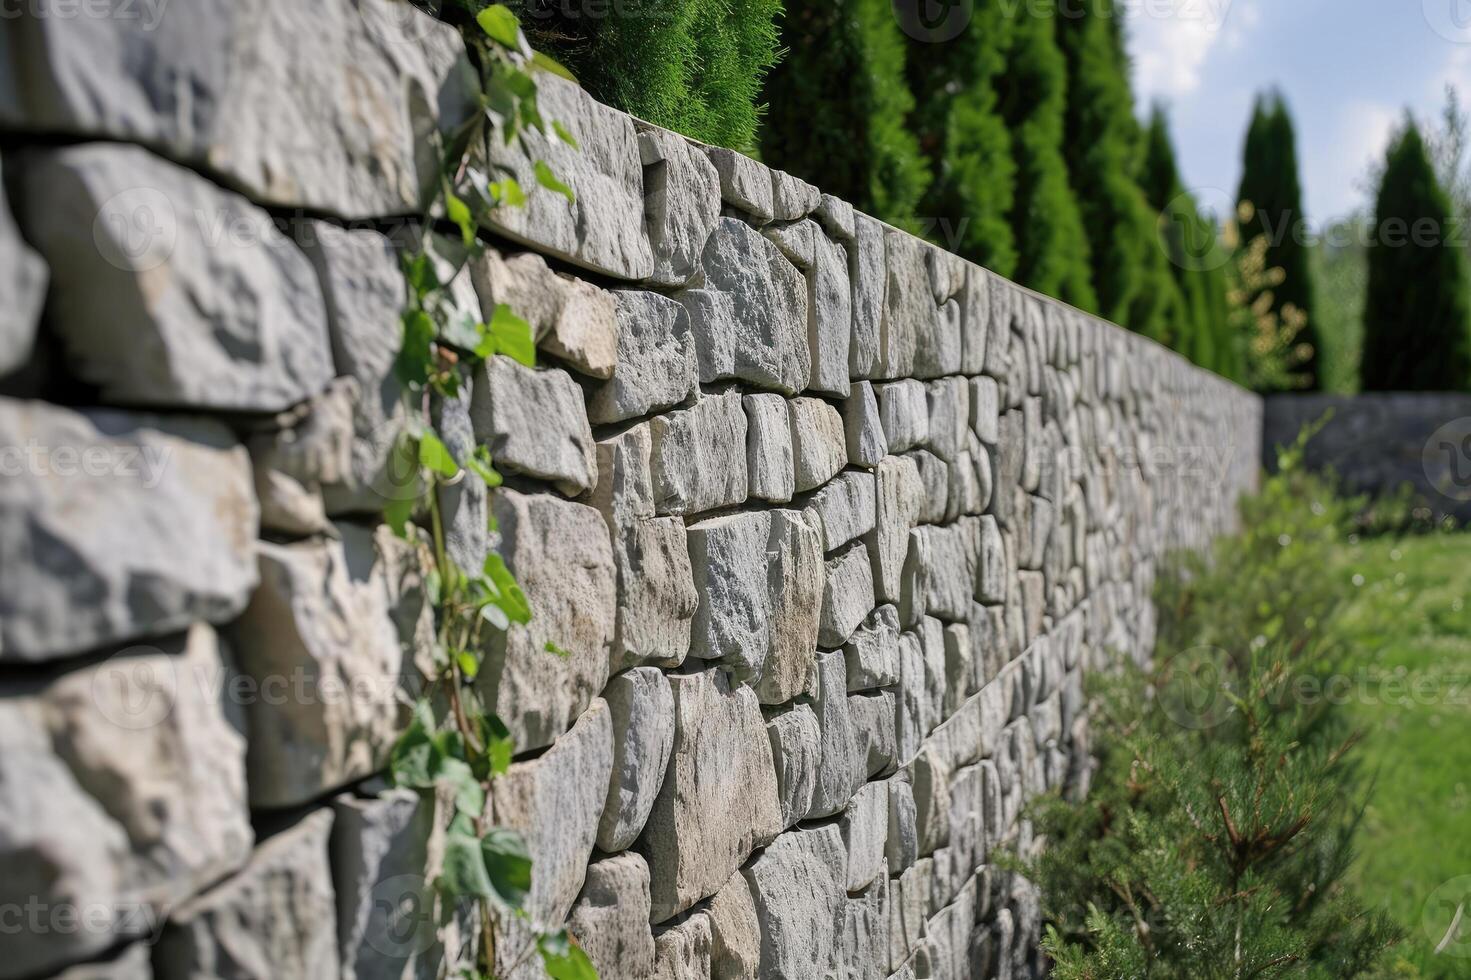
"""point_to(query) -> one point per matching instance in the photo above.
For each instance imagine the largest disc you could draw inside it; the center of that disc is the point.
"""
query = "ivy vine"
(453, 743)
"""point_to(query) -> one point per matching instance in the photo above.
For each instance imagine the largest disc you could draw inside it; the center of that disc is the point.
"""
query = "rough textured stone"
(602, 228)
(900, 500)
(682, 950)
(611, 918)
(948, 400)
(744, 183)
(276, 917)
(869, 284)
(719, 799)
(931, 781)
(130, 963)
(792, 197)
(901, 846)
(985, 410)
(23, 284)
(760, 580)
(865, 829)
(534, 421)
(904, 414)
(844, 768)
(874, 720)
(863, 937)
(749, 320)
(829, 316)
(698, 455)
(167, 290)
(642, 710)
(656, 592)
(872, 651)
(939, 573)
(991, 577)
(847, 595)
(769, 448)
(819, 444)
(934, 477)
(863, 426)
(656, 368)
(323, 651)
(908, 308)
(846, 507)
(121, 783)
(735, 932)
(370, 81)
(681, 202)
(797, 885)
(118, 526)
(556, 801)
(939, 341)
(560, 555)
(796, 750)
(837, 217)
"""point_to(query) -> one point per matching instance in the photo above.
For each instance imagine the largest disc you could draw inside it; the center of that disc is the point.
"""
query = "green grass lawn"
(1409, 630)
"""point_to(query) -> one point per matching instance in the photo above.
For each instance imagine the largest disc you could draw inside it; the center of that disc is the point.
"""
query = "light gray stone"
(656, 592)
(130, 963)
(792, 197)
(23, 284)
(148, 528)
(698, 455)
(796, 750)
(642, 710)
(555, 801)
(900, 500)
(829, 316)
(874, 720)
(960, 670)
(681, 203)
(934, 476)
(656, 361)
(865, 829)
(122, 783)
(324, 627)
(570, 319)
(819, 444)
(948, 400)
(939, 341)
(276, 917)
(939, 573)
(200, 80)
(976, 302)
(872, 651)
(847, 596)
(863, 426)
(560, 555)
(749, 320)
(744, 183)
(760, 580)
(611, 918)
(985, 410)
(844, 767)
(719, 798)
(846, 507)
(901, 847)
(909, 306)
(683, 950)
(465, 505)
(904, 414)
(863, 937)
(931, 782)
(167, 290)
(534, 422)
(769, 448)
(991, 577)
(625, 488)
(735, 932)
(797, 241)
(869, 284)
(797, 885)
(602, 228)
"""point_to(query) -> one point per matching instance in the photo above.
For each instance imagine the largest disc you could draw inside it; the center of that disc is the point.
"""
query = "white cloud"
(1334, 171)
(1171, 40)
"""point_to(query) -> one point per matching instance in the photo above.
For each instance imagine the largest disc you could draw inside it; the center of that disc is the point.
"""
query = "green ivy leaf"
(469, 663)
(547, 63)
(479, 463)
(413, 760)
(463, 873)
(506, 192)
(469, 794)
(398, 514)
(416, 356)
(508, 864)
(513, 335)
(435, 455)
(459, 213)
(500, 25)
(547, 179)
(506, 593)
(419, 271)
(555, 650)
(564, 961)
(565, 136)
(499, 745)
(531, 114)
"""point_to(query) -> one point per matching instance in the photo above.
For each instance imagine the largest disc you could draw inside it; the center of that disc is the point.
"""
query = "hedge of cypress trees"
(1270, 182)
(1052, 247)
(839, 105)
(1417, 320)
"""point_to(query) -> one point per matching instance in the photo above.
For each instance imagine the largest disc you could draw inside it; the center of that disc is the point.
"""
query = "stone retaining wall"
(829, 523)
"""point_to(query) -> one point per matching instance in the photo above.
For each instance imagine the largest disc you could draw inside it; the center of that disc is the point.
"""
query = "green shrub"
(838, 105)
(1417, 319)
(1220, 825)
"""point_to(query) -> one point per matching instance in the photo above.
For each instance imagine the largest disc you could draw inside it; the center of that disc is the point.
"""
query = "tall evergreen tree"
(1197, 258)
(1052, 246)
(957, 119)
(1417, 319)
(1270, 182)
(838, 104)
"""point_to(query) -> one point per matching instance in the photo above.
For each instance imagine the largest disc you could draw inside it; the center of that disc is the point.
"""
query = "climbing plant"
(454, 747)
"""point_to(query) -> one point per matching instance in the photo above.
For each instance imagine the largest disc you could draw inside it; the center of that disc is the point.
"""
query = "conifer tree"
(838, 103)
(1270, 182)
(1417, 320)
(957, 119)
(1052, 247)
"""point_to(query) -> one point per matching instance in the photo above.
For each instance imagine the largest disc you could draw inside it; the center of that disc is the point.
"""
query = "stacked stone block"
(829, 523)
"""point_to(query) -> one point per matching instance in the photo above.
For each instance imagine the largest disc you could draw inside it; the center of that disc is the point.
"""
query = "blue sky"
(1348, 68)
